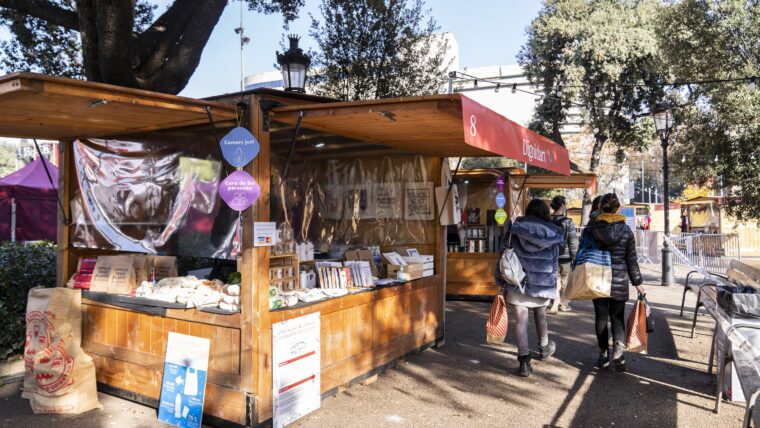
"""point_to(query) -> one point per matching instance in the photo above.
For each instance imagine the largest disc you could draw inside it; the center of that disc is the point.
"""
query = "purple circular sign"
(239, 190)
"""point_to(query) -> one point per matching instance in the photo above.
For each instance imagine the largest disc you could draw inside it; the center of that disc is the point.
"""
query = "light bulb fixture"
(752, 83)
(514, 88)
(559, 91)
(498, 86)
(597, 92)
(319, 145)
(467, 182)
(716, 158)
(683, 158)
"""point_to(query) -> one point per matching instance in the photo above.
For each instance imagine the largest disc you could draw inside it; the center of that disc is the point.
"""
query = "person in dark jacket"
(569, 250)
(535, 241)
(595, 208)
(611, 233)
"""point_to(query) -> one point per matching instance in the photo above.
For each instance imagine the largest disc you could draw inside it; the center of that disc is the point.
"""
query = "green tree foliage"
(378, 49)
(22, 267)
(596, 54)
(710, 40)
(7, 158)
(116, 42)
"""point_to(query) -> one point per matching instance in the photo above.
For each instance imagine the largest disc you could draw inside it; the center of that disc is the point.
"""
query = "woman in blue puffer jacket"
(536, 241)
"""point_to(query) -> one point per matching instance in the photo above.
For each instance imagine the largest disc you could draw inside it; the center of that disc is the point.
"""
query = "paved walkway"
(468, 383)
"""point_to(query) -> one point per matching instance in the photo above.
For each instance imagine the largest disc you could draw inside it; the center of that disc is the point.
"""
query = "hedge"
(22, 267)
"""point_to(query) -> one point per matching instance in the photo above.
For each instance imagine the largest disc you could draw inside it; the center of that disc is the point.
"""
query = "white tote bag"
(450, 212)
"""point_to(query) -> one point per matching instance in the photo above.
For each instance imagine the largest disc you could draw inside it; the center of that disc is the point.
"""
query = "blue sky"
(489, 32)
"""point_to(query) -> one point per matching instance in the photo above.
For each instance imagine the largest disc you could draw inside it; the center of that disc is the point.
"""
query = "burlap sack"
(59, 376)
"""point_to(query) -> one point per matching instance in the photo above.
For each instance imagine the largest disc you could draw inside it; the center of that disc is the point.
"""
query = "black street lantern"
(293, 64)
(663, 122)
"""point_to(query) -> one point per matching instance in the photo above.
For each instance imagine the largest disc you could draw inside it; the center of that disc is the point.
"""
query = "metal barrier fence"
(712, 252)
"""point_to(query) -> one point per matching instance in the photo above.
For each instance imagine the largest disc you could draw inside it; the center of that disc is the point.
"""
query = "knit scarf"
(611, 218)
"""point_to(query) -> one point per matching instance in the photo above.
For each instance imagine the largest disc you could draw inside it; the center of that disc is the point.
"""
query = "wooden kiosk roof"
(428, 125)
(40, 106)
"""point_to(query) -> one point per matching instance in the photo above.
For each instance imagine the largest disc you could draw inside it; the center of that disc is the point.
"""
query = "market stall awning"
(437, 125)
(40, 106)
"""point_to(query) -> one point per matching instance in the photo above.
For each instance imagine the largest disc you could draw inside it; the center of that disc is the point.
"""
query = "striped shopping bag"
(592, 274)
(497, 324)
(636, 330)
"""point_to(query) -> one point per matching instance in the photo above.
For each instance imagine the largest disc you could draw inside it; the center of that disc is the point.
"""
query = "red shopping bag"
(497, 324)
(636, 330)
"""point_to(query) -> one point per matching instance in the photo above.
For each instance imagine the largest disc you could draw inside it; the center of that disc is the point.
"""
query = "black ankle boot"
(604, 359)
(618, 356)
(525, 368)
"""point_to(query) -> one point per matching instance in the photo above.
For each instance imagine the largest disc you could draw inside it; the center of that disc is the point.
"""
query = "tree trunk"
(596, 155)
(162, 58)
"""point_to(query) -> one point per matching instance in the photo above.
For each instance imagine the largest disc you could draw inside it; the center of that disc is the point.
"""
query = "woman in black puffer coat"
(612, 234)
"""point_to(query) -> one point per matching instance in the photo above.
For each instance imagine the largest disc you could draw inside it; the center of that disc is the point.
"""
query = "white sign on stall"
(295, 368)
(264, 233)
(184, 384)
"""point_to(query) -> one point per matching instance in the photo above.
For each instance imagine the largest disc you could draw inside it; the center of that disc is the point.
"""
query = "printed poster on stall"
(184, 384)
(296, 364)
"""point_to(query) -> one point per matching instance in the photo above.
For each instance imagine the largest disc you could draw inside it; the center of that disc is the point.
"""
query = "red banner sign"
(488, 130)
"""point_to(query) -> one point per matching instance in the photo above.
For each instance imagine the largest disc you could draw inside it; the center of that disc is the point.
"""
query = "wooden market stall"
(303, 140)
(470, 268)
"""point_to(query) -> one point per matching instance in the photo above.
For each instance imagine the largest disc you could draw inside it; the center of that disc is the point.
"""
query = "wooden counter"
(471, 274)
(128, 349)
(360, 332)
(363, 331)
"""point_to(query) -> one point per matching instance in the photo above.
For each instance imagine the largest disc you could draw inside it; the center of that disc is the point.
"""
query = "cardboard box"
(409, 271)
(363, 256)
(428, 262)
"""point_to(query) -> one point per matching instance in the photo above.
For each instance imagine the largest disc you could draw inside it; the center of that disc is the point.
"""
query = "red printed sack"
(497, 324)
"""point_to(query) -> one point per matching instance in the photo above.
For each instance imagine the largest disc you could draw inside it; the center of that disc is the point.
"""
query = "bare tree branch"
(44, 10)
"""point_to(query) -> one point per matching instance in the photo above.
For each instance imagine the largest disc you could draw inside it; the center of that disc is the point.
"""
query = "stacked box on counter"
(427, 262)
(407, 268)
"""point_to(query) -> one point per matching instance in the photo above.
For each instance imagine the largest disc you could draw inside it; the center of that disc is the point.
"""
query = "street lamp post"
(663, 121)
(293, 65)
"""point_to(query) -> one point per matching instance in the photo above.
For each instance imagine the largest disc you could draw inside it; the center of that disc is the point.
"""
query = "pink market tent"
(28, 202)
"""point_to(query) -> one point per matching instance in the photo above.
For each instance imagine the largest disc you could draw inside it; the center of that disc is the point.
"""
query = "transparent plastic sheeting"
(348, 202)
(152, 197)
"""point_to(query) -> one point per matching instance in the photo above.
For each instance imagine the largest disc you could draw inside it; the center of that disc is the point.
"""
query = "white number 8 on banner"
(473, 128)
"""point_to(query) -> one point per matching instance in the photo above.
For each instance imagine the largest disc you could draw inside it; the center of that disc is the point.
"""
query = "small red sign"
(488, 130)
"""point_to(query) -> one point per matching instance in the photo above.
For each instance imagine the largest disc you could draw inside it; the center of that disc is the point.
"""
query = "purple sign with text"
(239, 190)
